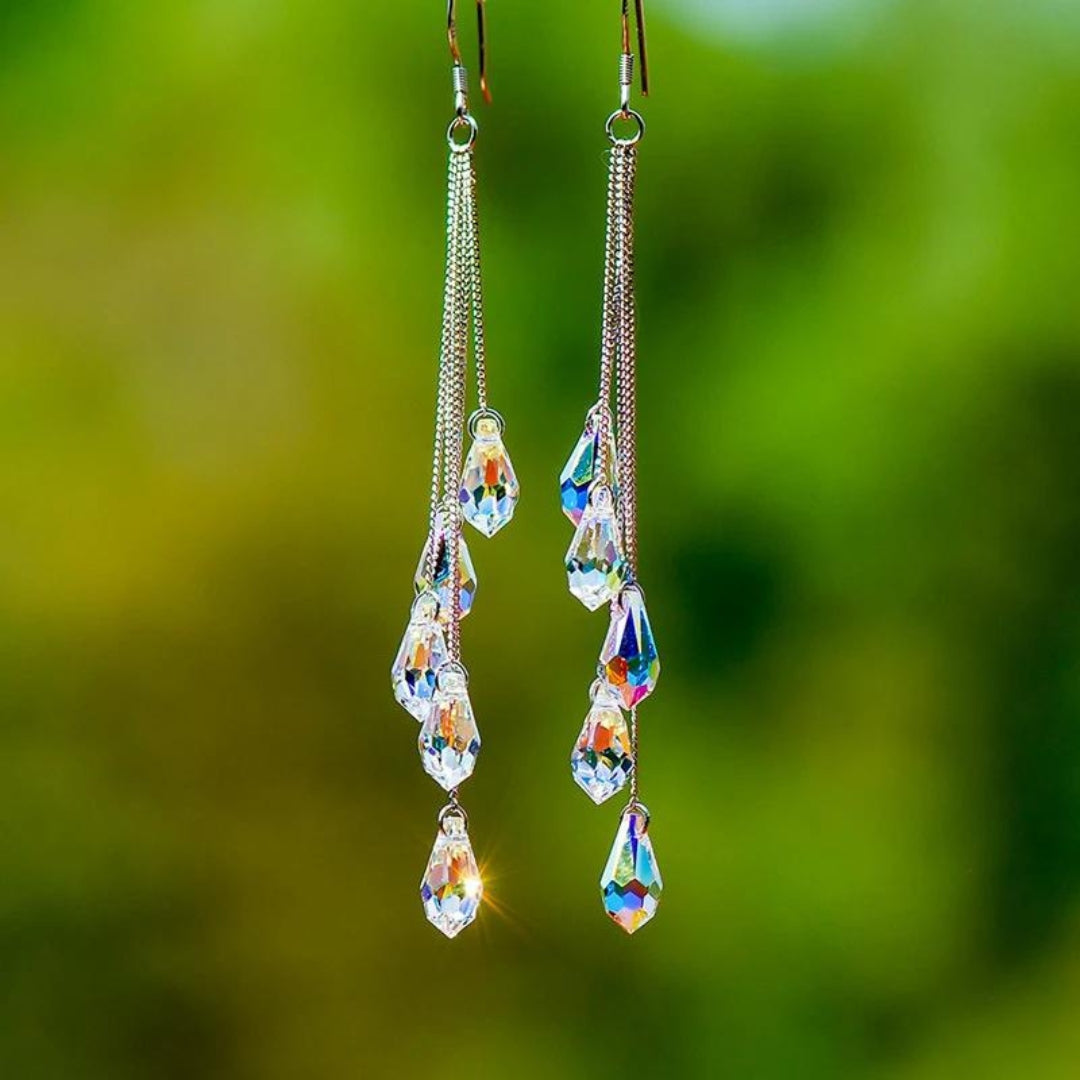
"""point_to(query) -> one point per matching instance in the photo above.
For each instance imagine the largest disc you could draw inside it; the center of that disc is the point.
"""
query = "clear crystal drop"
(489, 487)
(601, 761)
(451, 889)
(449, 738)
(441, 584)
(595, 564)
(579, 473)
(631, 884)
(629, 660)
(422, 653)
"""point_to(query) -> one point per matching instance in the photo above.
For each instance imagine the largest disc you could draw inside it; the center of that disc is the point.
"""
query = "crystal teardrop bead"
(451, 888)
(449, 738)
(631, 884)
(580, 473)
(441, 584)
(629, 660)
(489, 487)
(422, 653)
(595, 564)
(601, 761)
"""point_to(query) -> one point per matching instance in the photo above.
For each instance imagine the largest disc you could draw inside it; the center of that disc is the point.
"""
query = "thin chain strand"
(626, 375)
(609, 332)
(454, 437)
(476, 287)
(445, 350)
(626, 393)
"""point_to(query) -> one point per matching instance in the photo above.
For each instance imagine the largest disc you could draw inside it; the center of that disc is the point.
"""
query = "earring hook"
(455, 48)
(643, 53)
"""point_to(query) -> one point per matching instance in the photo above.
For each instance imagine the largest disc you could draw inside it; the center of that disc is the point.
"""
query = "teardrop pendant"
(602, 760)
(441, 584)
(629, 660)
(581, 471)
(595, 563)
(451, 889)
(489, 487)
(449, 738)
(631, 884)
(422, 653)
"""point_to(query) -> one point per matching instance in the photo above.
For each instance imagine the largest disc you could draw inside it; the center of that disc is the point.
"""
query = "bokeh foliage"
(219, 284)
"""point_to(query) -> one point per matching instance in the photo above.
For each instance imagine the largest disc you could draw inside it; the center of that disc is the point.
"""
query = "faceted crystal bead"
(580, 473)
(422, 653)
(595, 564)
(629, 660)
(602, 759)
(449, 738)
(489, 488)
(631, 882)
(451, 889)
(441, 584)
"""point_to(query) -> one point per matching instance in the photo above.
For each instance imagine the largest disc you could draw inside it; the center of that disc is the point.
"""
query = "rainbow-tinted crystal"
(629, 659)
(601, 761)
(489, 487)
(422, 653)
(441, 584)
(449, 738)
(631, 884)
(595, 564)
(451, 889)
(580, 472)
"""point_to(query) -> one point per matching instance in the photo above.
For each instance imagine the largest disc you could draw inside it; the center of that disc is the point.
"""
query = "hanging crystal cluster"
(480, 489)
(598, 493)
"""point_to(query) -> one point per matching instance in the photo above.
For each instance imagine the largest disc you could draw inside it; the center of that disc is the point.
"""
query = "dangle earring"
(599, 495)
(428, 677)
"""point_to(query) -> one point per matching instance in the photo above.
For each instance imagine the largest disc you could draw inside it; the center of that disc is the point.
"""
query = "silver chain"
(475, 280)
(626, 362)
(609, 335)
(446, 354)
(454, 434)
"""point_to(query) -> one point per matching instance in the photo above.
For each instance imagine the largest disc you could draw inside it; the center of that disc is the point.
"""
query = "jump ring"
(453, 809)
(462, 121)
(486, 414)
(639, 808)
(625, 114)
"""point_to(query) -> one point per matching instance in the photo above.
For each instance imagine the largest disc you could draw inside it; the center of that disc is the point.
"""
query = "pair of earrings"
(599, 496)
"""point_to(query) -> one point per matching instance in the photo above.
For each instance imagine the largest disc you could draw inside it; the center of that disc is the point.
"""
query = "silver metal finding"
(453, 809)
(635, 807)
(452, 667)
(461, 122)
(484, 413)
(642, 44)
(625, 114)
(455, 48)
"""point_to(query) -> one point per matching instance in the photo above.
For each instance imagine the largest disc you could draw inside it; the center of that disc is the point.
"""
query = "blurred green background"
(220, 278)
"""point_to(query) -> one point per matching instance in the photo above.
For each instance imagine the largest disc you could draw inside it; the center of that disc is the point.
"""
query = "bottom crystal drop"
(451, 889)
(631, 883)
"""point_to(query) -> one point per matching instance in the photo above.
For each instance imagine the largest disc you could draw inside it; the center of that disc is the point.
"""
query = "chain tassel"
(428, 675)
(599, 494)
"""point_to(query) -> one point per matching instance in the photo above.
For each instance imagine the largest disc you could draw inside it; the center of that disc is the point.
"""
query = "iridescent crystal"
(629, 660)
(441, 584)
(631, 882)
(602, 759)
(451, 888)
(580, 473)
(422, 653)
(489, 488)
(595, 564)
(449, 738)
